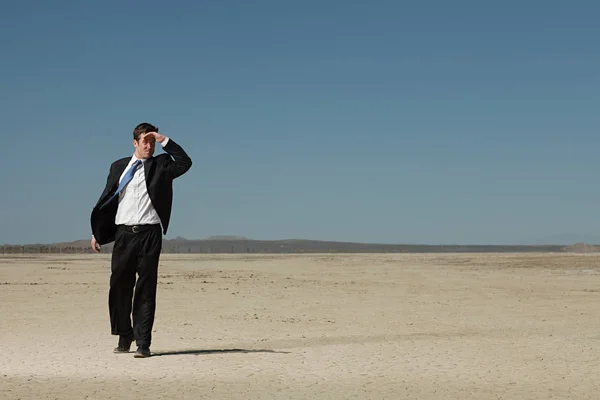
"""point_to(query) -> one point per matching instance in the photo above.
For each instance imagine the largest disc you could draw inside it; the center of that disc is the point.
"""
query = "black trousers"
(135, 250)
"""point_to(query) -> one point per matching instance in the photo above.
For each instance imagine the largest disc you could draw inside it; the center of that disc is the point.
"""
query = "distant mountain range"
(567, 238)
(236, 244)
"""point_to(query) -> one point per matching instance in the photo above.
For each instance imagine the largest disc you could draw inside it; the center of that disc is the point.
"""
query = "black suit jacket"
(160, 172)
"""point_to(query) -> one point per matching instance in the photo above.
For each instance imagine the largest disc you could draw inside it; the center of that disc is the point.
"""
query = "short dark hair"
(142, 128)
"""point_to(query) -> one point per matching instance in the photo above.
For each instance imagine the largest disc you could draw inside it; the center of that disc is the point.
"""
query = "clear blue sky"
(379, 121)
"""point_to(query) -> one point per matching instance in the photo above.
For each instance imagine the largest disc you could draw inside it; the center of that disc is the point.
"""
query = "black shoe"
(124, 344)
(142, 352)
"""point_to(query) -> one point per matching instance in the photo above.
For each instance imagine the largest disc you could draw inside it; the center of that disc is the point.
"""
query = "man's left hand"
(159, 138)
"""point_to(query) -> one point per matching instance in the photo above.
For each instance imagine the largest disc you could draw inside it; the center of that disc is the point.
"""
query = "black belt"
(138, 228)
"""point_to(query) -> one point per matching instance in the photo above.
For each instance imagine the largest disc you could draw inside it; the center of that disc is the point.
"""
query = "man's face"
(144, 146)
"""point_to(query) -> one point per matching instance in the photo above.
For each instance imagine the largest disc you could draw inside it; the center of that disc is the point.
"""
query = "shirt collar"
(134, 159)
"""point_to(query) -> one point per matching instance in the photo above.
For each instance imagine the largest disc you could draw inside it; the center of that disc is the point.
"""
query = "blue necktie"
(126, 179)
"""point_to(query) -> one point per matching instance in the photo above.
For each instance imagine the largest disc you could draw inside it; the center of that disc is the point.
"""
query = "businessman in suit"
(135, 203)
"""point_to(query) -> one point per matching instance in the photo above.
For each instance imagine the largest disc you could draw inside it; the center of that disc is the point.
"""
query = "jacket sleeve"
(179, 162)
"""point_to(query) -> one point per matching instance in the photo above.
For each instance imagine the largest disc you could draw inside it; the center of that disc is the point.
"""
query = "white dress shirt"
(135, 206)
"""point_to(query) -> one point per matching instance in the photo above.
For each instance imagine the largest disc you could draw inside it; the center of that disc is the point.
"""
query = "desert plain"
(310, 326)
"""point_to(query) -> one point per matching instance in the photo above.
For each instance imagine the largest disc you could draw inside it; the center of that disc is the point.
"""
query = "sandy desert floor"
(348, 326)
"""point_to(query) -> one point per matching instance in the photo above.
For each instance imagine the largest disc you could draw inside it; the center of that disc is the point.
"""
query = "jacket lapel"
(111, 187)
(148, 169)
(121, 169)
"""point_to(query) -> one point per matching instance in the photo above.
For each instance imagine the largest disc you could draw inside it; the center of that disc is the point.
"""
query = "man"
(135, 203)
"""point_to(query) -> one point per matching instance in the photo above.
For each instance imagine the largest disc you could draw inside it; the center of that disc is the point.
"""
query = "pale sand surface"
(408, 326)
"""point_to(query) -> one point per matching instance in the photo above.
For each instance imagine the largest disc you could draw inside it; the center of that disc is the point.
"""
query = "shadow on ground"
(214, 351)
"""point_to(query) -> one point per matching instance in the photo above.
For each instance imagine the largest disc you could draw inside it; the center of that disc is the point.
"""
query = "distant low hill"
(235, 244)
(217, 237)
(582, 248)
